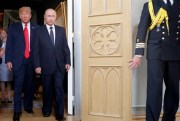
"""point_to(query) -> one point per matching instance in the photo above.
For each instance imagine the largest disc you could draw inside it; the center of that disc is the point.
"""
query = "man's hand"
(67, 67)
(135, 62)
(38, 70)
(9, 65)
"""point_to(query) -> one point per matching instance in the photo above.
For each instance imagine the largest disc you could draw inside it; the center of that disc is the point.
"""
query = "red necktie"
(26, 37)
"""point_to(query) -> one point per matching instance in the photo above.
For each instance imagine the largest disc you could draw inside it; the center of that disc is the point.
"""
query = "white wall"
(77, 57)
(139, 75)
(70, 43)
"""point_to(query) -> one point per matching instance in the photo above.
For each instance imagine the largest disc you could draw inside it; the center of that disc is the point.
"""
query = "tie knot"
(25, 24)
(51, 27)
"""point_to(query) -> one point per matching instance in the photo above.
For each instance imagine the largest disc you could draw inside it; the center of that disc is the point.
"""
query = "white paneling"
(77, 57)
(70, 73)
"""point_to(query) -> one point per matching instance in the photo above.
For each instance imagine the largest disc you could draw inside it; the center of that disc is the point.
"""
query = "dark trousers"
(169, 71)
(23, 82)
(49, 82)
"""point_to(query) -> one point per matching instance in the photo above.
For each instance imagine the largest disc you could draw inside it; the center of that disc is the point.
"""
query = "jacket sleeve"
(66, 49)
(36, 57)
(143, 27)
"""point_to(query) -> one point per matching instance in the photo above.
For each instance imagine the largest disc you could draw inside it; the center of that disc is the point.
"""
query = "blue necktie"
(52, 35)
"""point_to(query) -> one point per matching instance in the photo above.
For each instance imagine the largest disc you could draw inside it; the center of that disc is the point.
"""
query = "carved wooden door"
(106, 50)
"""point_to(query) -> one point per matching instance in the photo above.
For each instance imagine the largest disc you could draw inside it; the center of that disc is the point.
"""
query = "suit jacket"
(160, 45)
(49, 56)
(15, 45)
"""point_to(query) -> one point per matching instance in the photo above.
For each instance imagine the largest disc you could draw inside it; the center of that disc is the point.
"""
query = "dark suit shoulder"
(34, 25)
(41, 28)
(15, 24)
(59, 27)
(14, 27)
(146, 4)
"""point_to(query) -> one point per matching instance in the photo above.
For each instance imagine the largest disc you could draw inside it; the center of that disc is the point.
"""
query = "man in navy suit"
(51, 57)
(162, 19)
(19, 59)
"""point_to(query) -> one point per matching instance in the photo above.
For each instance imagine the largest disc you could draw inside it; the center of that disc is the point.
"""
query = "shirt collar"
(50, 26)
(27, 24)
(172, 1)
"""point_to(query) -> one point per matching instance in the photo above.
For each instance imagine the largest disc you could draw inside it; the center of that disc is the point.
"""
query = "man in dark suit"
(19, 59)
(51, 57)
(162, 18)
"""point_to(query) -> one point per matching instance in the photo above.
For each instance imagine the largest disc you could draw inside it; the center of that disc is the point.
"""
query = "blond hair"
(25, 8)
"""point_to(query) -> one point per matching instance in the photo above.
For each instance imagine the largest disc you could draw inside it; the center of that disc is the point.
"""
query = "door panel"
(106, 50)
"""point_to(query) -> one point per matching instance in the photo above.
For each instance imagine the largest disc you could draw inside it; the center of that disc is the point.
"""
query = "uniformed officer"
(161, 19)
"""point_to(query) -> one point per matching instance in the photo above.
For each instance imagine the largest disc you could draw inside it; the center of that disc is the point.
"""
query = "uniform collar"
(172, 1)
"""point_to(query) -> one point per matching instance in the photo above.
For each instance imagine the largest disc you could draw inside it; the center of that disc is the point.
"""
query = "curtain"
(61, 11)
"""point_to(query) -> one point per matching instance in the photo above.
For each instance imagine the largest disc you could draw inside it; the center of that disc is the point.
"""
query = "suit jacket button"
(163, 38)
(177, 38)
(163, 27)
(177, 32)
(163, 32)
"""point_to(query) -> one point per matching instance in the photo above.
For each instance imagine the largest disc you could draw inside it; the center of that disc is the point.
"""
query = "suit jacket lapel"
(56, 35)
(31, 34)
(20, 29)
(31, 31)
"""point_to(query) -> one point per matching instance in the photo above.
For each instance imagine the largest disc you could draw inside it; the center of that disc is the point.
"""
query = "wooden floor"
(142, 117)
(7, 114)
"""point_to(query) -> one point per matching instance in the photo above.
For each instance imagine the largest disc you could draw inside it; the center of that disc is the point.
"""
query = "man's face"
(50, 17)
(25, 15)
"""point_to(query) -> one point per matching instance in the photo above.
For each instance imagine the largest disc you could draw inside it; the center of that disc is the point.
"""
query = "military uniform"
(163, 60)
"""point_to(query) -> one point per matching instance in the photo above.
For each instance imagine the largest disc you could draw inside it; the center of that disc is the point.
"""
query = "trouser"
(169, 71)
(23, 81)
(53, 84)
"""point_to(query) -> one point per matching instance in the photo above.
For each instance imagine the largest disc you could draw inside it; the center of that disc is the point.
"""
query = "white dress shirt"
(3, 45)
